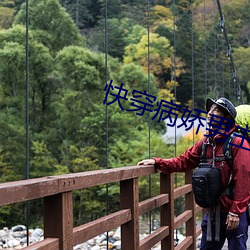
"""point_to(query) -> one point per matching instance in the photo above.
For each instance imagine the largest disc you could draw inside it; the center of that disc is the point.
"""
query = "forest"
(55, 67)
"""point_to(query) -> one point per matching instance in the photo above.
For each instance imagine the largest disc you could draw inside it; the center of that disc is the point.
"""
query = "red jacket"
(241, 168)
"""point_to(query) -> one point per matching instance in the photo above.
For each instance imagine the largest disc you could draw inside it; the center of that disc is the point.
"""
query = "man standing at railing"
(232, 205)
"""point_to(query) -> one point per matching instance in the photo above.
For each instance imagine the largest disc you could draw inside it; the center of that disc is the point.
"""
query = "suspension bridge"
(56, 192)
(59, 233)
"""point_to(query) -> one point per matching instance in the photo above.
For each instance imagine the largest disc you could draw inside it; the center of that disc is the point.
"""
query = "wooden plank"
(24, 190)
(98, 177)
(58, 219)
(154, 238)
(178, 192)
(46, 244)
(198, 231)
(198, 208)
(190, 205)
(167, 210)
(152, 203)
(182, 218)
(90, 230)
(185, 244)
(129, 195)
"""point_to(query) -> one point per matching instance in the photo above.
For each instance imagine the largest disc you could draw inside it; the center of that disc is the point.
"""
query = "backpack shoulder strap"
(227, 150)
(203, 152)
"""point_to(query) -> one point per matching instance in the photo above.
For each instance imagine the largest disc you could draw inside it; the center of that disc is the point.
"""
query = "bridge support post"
(167, 210)
(58, 219)
(190, 205)
(129, 198)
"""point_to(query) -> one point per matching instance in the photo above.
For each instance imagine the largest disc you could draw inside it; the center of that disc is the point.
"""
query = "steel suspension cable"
(27, 207)
(77, 13)
(215, 52)
(149, 123)
(229, 54)
(205, 51)
(221, 48)
(192, 73)
(107, 120)
(229, 83)
(175, 93)
(222, 68)
(174, 59)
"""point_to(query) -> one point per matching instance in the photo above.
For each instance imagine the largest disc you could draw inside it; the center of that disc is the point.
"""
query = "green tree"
(161, 58)
(84, 13)
(241, 56)
(133, 76)
(13, 60)
(6, 17)
(53, 25)
(117, 32)
(42, 163)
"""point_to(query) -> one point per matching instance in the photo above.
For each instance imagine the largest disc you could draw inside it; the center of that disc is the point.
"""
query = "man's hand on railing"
(146, 162)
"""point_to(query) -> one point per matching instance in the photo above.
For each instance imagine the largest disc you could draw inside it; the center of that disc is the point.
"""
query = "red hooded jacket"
(241, 168)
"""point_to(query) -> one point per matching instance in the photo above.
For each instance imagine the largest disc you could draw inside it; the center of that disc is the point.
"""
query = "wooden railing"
(59, 232)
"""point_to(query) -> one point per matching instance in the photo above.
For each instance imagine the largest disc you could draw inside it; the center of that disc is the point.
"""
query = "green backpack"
(243, 116)
(242, 119)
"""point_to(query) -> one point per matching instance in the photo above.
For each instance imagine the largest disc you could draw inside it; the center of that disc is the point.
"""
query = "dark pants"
(237, 238)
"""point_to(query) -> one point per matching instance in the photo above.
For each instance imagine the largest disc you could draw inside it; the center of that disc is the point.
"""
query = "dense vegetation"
(71, 58)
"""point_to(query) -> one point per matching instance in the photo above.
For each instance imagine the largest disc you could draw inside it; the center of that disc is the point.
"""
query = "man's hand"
(146, 162)
(232, 221)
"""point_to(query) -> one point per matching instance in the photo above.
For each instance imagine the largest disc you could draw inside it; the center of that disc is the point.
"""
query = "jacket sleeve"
(185, 162)
(241, 175)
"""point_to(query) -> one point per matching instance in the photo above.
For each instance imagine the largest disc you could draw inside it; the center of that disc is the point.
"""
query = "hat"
(223, 103)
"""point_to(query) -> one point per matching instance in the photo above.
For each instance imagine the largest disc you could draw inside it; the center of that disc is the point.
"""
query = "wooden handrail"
(58, 208)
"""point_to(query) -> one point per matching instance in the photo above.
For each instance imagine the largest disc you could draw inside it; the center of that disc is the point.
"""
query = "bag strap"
(203, 152)
(209, 225)
(227, 150)
(217, 223)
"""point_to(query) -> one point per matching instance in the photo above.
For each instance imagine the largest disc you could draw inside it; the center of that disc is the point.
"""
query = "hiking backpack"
(206, 183)
(206, 178)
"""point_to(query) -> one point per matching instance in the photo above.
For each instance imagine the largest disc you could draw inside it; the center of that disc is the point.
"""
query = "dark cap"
(223, 103)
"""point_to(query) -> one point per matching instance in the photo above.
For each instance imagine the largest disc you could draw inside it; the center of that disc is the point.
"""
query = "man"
(233, 212)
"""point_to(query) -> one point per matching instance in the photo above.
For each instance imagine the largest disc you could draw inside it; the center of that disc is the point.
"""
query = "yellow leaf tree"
(161, 61)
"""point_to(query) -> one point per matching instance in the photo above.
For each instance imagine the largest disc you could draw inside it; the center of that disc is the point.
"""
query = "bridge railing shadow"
(56, 192)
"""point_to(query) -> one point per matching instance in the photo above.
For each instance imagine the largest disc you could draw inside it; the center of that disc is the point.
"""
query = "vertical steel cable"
(27, 208)
(175, 93)
(174, 74)
(205, 51)
(149, 125)
(223, 76)
(106, 80)
(77, 13)
(215, 51)
(222, 68)
(192, 24)
(230, 56)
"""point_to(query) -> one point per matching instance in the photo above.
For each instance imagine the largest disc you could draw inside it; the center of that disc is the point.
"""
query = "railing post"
(167, 210)
(58, 219)
(129, 198)
(190, 205)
